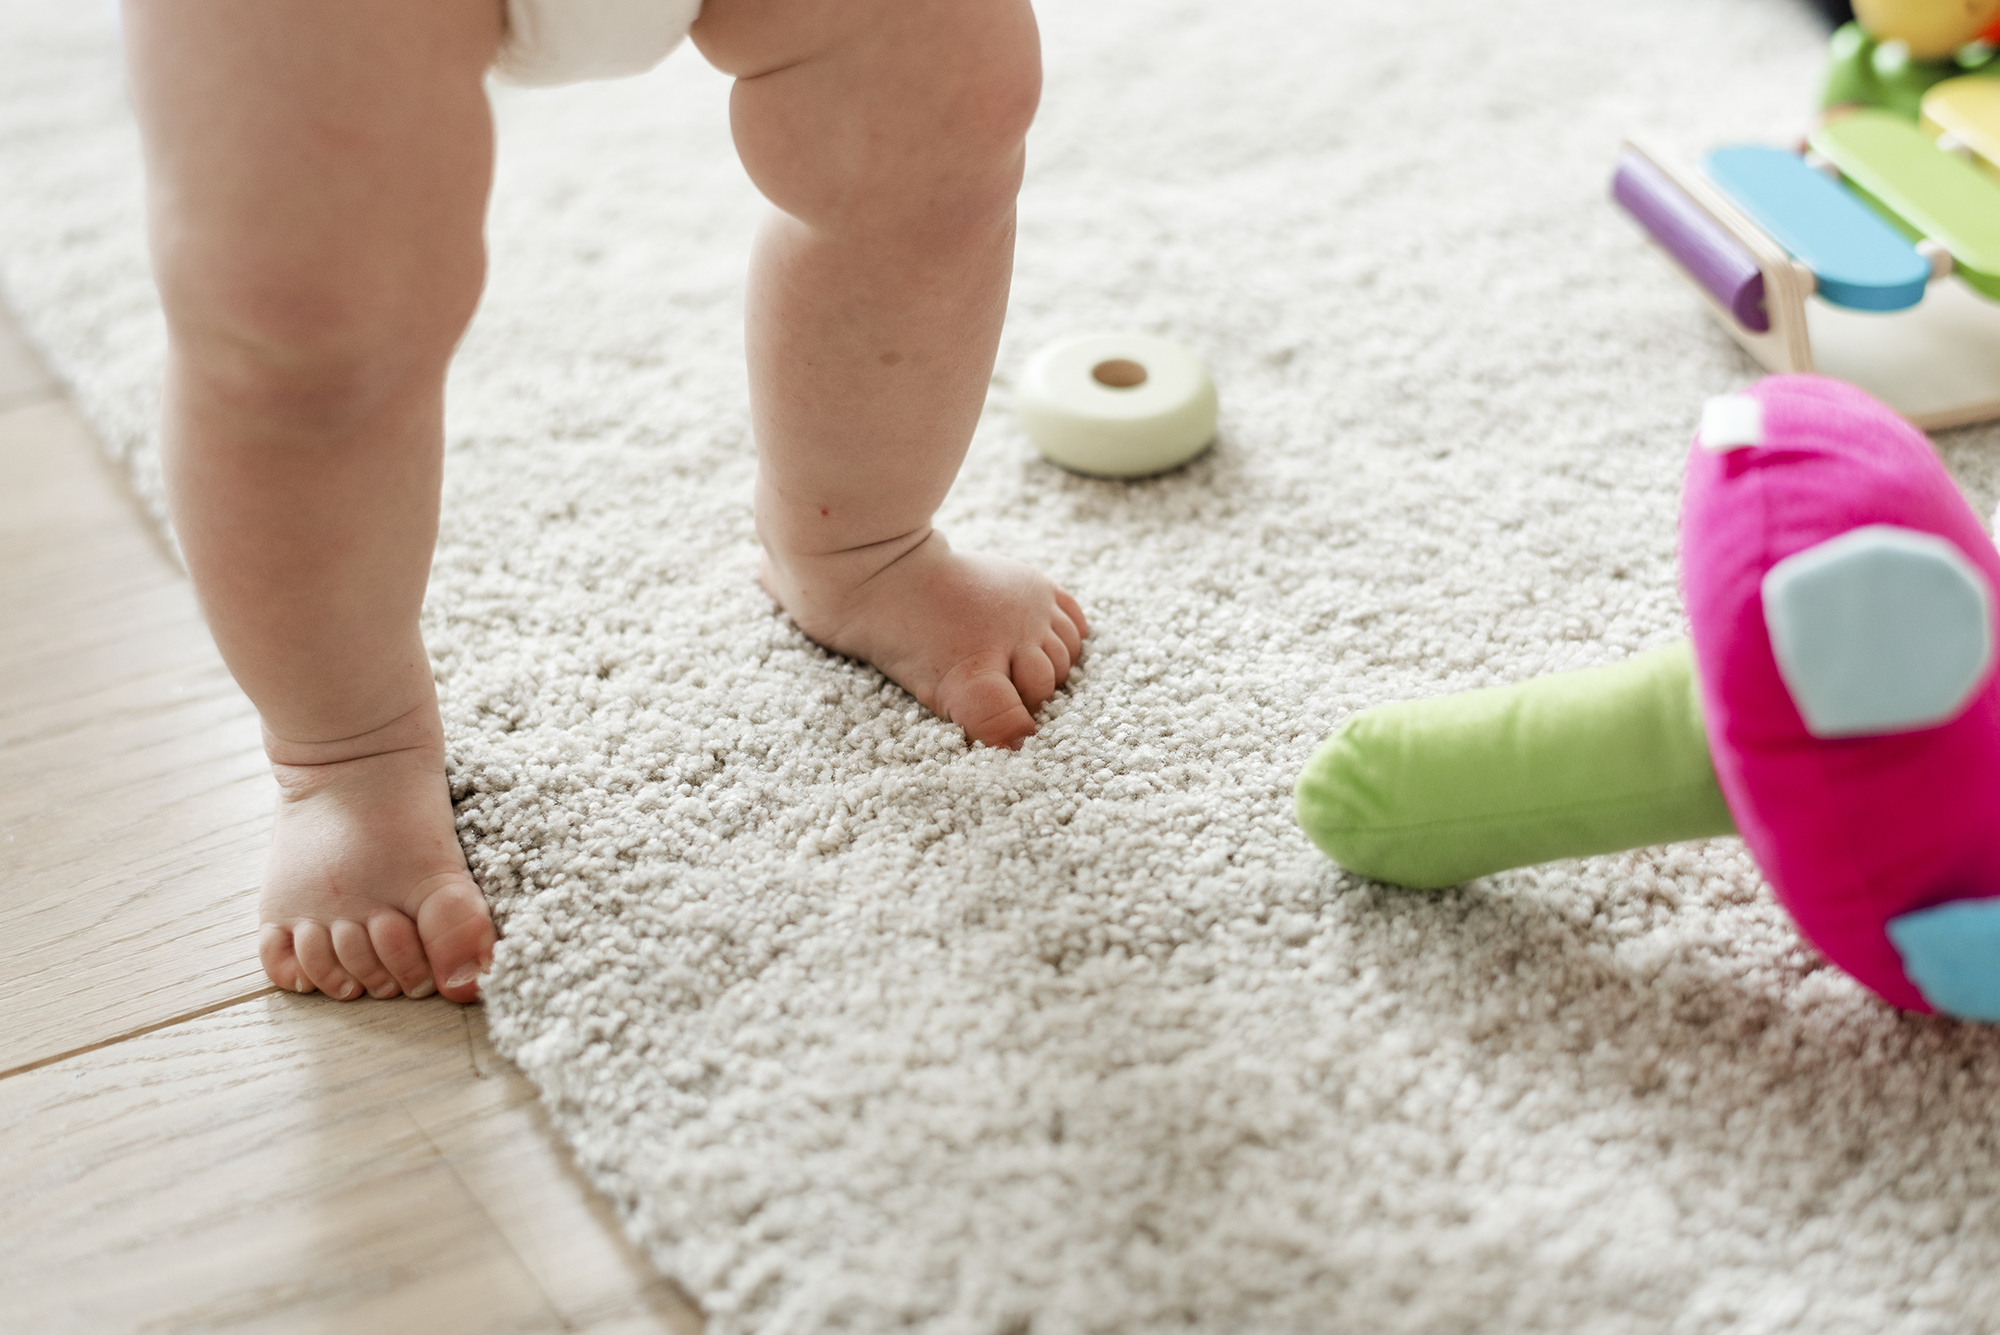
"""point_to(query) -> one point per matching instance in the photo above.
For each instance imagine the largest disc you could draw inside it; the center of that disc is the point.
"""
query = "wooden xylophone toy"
(1874, 257)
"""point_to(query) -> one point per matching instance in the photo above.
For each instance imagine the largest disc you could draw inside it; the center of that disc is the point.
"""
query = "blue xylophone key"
(1860, 260)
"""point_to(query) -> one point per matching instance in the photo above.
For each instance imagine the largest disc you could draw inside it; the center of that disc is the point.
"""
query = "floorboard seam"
(563, 1323)
(140, 1032)
(28, 398)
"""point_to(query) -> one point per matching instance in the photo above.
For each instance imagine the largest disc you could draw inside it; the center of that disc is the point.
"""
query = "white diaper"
(568, 41)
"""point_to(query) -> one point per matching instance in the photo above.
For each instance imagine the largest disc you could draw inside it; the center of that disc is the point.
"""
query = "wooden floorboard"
(134, 801)
(23, 376)
(290, 1164)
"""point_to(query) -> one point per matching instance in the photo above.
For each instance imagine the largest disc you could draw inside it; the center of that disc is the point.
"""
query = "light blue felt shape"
(1952, 954)
(1860, 260)
(1880, 630)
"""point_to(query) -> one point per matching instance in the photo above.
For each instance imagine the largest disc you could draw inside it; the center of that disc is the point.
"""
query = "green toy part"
(1565, 766)
(1893, 166)
(1864, 72)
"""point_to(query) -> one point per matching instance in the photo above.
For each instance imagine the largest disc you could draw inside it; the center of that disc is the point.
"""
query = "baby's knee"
(965, 175)
(986, 104)
(918, 129)
(315, 337)
(994, 108)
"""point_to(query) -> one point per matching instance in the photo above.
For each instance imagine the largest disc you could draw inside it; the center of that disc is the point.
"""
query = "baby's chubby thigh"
(317, 182)
(908, 115)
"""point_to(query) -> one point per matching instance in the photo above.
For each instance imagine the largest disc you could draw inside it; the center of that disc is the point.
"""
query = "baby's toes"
(1078, 627)
(280, 960)
(402, 953)
(979, 696)
(457, 935)
(1034, 676)
(356, 953)
(1060, 657)
(314, 945)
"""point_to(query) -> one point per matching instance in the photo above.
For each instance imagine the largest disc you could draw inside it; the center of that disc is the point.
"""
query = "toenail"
(302, 985)
(423, 989)
(347, 990)
(465, 973)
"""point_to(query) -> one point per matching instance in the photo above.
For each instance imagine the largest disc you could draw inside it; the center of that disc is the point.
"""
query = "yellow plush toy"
(1928, 29)
(1895, 50)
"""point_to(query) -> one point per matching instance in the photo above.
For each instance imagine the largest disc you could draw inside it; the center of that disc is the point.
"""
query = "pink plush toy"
(1841, 593)
(1839, 709)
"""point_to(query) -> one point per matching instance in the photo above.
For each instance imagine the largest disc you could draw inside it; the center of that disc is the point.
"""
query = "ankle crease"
(417, 728)
(871, 556)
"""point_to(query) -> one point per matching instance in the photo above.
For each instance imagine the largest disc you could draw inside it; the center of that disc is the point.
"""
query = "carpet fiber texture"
(865, 1030)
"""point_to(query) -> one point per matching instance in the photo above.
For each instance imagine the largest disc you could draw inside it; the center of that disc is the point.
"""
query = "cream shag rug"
(866, 1031)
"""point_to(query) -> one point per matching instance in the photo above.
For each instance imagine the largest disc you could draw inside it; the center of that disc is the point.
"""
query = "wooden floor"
(182, 1148)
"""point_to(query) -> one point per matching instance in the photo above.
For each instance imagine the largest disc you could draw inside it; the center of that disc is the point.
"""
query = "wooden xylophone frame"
(1937, 363)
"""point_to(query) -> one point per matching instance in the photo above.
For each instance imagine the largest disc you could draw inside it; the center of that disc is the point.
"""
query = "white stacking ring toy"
(1117, 405)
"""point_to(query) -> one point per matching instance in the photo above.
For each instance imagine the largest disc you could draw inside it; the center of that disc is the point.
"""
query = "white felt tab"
(1731, 422)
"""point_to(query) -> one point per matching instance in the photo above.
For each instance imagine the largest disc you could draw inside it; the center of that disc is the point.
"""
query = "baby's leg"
(317, 177)
(889, 135)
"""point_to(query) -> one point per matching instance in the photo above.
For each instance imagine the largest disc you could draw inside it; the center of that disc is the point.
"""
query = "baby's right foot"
(980, 640)
(367, 892)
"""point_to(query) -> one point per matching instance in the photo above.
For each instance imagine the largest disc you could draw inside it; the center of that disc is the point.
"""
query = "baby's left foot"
(982, 641)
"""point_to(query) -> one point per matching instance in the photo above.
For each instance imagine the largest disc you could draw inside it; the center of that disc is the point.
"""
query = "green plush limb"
(1429, 793)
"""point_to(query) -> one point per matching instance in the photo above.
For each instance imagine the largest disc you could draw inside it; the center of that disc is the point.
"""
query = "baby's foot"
(367, 891)
(982, 641)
